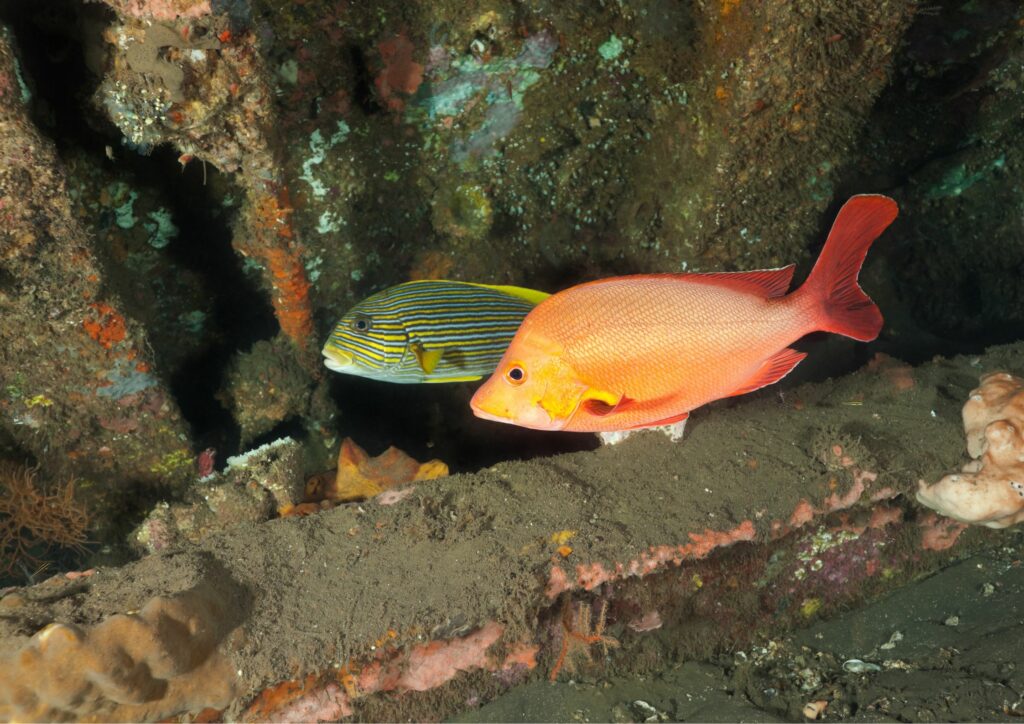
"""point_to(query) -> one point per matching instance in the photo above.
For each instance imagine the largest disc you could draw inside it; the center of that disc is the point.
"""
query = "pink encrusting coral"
(989, 490)
(805, 512)
(432, 664)
(421, 668)
(939, 533)
(590, 576)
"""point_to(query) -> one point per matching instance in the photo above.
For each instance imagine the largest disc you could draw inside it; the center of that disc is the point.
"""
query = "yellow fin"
(438, 380)
(530, 295)
(428, 359)
(608, 398)
(562, 402)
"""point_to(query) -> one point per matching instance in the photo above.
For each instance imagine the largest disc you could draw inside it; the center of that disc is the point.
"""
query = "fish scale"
(673, 329)
(642, 351)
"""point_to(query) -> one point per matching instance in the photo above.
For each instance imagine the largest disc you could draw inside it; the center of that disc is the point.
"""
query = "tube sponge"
(162, 660)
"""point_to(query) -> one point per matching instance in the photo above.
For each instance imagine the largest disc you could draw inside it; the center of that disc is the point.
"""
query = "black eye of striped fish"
(362, 324)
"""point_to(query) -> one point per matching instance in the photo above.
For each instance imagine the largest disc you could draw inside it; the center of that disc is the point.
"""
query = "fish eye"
(515, 374)
(362, 324)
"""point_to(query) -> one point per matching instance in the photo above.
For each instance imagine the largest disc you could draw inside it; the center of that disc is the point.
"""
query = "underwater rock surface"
(192, 192)
(80, 388)
(340, 148)
(774, 512)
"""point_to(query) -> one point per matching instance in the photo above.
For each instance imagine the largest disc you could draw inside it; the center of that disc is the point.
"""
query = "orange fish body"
(640, 351)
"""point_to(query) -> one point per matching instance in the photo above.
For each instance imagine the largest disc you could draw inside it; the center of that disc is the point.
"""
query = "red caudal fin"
(845, 308)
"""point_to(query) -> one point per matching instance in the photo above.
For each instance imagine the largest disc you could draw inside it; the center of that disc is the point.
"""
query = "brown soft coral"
(990, 489)
(34, 517)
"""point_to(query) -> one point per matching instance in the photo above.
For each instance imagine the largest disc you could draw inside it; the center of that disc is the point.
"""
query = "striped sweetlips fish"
(429, 331)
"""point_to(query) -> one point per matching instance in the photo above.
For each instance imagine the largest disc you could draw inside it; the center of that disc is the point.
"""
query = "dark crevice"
(241, 313)
(436, 421)
(363, 93)
(292, 427)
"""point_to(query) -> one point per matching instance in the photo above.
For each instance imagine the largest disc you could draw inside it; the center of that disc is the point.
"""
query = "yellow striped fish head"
(429, 331)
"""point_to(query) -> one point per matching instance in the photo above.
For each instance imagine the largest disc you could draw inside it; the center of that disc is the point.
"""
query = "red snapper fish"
(639, 351)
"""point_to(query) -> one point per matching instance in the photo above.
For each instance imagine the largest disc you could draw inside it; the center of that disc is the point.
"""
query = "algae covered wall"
(195, 190)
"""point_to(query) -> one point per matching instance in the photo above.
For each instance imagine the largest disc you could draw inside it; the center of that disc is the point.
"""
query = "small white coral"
(990, 489)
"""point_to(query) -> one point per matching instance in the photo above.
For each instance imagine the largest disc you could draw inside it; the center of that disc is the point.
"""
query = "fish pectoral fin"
(427, 359)
(771, 370)
(561, 402)
(601, 403)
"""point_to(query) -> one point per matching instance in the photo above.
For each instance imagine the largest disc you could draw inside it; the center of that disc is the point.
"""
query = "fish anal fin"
(771, 371)
(427, 359)
(766, 283)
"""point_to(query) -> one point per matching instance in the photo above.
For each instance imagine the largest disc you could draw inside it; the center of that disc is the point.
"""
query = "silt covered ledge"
(775, 509)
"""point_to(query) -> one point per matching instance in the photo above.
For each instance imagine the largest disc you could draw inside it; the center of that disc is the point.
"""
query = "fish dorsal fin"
(427, 359)
(530, 295)
(772, 370)
(764, 282)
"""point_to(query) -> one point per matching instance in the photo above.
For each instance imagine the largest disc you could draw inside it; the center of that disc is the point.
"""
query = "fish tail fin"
(832, 284)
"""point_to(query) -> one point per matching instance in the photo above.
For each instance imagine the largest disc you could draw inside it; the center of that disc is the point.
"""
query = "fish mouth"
(535, 418)
(338, 361)
(489, 416)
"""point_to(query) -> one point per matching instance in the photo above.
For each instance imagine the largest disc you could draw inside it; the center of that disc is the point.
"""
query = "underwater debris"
(288, 565)
(35, 517)
(422, 667)
(588, 577)
(360, 476)
(432, 664)
(273, 243)
(989, 491)
(207, 91)
(300, 700)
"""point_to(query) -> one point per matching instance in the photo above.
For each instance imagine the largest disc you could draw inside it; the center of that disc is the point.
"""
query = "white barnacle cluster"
(249, 456)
